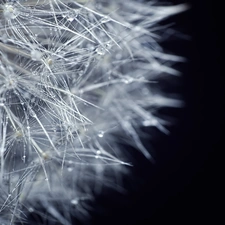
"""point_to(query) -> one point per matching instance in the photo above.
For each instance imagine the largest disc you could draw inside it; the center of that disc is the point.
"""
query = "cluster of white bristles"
(75, 80)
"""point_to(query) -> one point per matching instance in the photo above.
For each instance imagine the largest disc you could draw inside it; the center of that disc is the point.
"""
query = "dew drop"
(70, 169)
(71, 16)
(98, 152)
(36, 55)
(10, 12)
(31, 209)
(128, 80)
(101, 134)
(100, 51)
(32, 113)
(105, 19)
(74, 201)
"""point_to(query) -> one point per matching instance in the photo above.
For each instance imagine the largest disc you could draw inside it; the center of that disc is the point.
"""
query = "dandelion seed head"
(75, 78)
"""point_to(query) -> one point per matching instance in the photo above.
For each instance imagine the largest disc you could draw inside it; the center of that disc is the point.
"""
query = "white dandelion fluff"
(75, 80)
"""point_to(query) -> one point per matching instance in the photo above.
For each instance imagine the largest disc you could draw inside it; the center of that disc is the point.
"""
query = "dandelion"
(74, 76)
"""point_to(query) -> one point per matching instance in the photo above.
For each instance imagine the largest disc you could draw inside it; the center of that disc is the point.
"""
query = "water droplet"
(98, 152)
(100, 51)
(74, 201)
(128, 80)
(32, 113)
(71, 16)
(36, 55)
(10, 12)
(108, 44)
(101, 134)
(70, 169)
(105, 19)
(31, 209)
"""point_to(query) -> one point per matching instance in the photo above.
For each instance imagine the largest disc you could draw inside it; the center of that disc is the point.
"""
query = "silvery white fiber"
(77, 77)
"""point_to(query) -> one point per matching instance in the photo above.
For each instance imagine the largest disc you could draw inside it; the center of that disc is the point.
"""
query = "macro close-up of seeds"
(78, 79)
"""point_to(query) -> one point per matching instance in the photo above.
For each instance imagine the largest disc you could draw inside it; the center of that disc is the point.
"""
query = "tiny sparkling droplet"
(100, 51)
(70, 169)
(74, 201)
(101, 134)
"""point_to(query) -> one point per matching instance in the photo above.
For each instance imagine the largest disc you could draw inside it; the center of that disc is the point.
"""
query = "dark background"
(185, 185)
